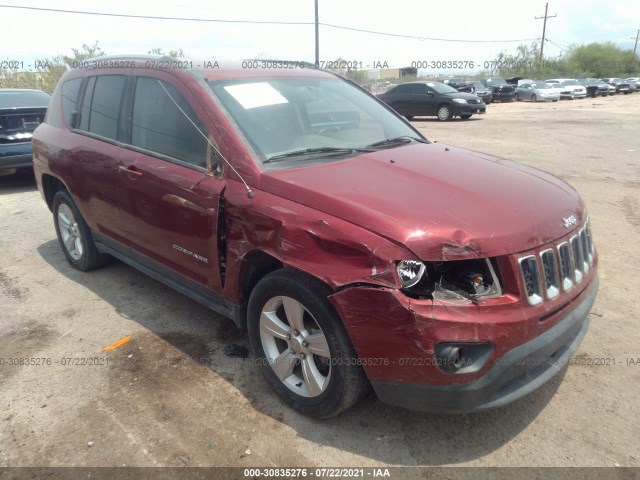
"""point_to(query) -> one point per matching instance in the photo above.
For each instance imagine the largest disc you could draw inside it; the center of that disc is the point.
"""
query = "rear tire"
(534, 98)
(301, 345)
(465, 117)
(516, 97)
(444, 113)
(74, 235)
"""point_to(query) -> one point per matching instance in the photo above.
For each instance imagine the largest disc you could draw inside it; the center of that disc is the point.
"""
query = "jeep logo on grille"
(570, 221)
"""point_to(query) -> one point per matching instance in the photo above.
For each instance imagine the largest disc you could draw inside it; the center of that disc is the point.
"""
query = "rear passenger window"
(160, 123)
(69, 93)
(101, 105)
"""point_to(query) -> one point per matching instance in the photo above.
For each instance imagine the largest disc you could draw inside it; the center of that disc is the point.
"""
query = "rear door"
(401, 99)
(170, 202)
(93, 150)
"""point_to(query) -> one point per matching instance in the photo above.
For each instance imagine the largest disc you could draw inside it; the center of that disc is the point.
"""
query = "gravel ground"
(172, 397)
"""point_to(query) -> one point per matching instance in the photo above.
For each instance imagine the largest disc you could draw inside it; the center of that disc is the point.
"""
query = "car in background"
(472, 86)
(414, 99)
(633, 86)
(537, 91)
(620, 85)
(579, 91)
(21, 111)
(500, 89)
(594, 87)
(479, 89)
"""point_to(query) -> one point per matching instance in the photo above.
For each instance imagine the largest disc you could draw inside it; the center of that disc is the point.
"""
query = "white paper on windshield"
(252, 95)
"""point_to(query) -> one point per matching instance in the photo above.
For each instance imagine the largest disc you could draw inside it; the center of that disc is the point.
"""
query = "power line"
(423, 38)
(263, 22)
(150, 17)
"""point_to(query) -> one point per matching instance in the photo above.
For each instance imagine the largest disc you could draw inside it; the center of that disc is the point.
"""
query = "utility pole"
(317, 39)
(544, 28)
(636, 45)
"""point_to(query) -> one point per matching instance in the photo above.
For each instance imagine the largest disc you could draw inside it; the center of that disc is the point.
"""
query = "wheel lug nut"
(303, 356)
(288, 336)
(305, 344)
(296, 333)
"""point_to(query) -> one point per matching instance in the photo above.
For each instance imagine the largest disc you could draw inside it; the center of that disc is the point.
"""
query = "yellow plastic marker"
(117, 344)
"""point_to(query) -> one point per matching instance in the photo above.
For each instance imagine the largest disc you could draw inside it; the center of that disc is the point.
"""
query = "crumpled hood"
(442, 202)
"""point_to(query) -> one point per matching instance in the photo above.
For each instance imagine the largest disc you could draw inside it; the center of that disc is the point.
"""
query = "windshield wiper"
(314, 151)
(390, 142)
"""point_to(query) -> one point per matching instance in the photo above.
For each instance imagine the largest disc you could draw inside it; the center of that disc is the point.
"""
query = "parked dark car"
(357, 253)
(476, 87)
(621, 86)
(595, 87)
(21, 111)
(500, 89)
(415, 99)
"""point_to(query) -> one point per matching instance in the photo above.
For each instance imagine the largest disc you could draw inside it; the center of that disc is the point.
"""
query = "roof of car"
(23, 98)
(212, 69)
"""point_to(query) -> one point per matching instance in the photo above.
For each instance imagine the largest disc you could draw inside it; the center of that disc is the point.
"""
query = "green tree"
(172, 53)
(601, 60)
(81, 54)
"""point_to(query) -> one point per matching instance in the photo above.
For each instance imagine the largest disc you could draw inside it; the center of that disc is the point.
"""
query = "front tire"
(444, 113)
(74, 235)
(534, 98)
(301, 346)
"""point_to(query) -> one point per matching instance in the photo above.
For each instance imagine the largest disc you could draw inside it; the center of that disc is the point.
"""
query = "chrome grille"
(550, 273)
(529, 269)
(576, 248)
(566, 269)
(557, 269)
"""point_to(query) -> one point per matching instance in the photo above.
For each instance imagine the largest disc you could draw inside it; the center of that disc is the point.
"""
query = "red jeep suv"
(356, 253)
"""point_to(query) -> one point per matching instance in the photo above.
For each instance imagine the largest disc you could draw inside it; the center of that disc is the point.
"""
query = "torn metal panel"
(337, 252)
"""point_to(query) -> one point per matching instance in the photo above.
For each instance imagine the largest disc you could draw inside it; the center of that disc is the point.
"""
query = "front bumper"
(504, 96)
(517, 373)
(469, 109)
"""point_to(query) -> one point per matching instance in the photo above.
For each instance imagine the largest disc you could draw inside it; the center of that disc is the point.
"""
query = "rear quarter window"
(69, 92)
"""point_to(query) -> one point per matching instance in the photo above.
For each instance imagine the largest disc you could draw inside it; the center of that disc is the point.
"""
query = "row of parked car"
(519, 88)
(457, 97)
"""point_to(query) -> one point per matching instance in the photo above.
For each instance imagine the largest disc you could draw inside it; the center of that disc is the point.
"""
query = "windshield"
(442, 88)
(298, 118)
(570, 83)
(496, 81)
(541, 86)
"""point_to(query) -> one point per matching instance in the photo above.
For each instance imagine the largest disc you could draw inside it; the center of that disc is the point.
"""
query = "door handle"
(130, 171)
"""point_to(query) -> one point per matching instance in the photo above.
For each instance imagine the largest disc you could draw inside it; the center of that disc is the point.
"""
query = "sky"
(485, 28)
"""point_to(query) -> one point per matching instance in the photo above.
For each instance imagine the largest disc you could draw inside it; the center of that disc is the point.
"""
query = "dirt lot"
(171, 397)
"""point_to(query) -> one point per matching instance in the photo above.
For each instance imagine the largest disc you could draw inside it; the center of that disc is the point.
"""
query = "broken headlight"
(451, 280)
(410, 272)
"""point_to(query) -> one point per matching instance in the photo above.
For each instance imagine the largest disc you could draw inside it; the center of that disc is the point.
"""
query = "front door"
(170, 203)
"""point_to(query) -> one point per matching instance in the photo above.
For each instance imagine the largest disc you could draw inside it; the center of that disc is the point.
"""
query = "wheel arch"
(50, 186)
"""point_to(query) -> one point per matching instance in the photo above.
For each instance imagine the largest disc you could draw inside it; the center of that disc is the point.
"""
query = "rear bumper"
(517, 373)
(16, 155)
